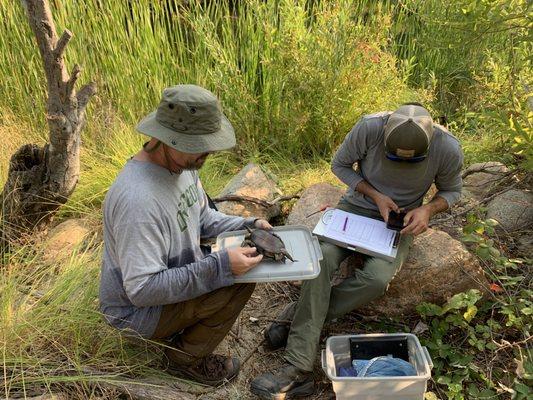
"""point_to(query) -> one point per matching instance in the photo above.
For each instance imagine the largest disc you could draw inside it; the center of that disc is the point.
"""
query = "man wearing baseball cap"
(398, 155)
(156, 281)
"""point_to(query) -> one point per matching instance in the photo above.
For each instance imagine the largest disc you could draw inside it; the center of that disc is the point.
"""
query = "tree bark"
(40, 179)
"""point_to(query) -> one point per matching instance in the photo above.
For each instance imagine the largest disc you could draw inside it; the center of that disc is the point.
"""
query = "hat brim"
(223, 139)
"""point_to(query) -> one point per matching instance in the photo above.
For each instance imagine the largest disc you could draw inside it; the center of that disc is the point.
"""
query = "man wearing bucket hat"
(156, 281)
(399, 155)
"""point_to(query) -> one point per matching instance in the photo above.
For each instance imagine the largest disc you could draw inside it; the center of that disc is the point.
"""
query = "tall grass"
(50, 330)
(292, 79)
(287, 84)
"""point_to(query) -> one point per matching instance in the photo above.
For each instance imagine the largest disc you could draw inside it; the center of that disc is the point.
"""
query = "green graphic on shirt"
(187, 199)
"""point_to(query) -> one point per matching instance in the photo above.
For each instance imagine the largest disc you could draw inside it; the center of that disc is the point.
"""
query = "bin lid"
(299, 242)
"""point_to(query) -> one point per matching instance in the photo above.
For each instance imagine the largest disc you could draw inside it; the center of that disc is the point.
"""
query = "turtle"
(267, 243)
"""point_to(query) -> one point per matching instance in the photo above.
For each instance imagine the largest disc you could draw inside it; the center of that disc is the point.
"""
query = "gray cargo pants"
(319, 302)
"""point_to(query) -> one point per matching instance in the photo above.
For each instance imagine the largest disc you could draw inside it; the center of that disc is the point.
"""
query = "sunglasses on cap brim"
(416, 159)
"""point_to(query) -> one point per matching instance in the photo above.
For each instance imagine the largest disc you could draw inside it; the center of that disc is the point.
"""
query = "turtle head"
(248, 234)
(286, 254)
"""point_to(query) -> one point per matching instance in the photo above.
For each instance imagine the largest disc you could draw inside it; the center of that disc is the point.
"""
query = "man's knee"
(378, 283)
(244, 290)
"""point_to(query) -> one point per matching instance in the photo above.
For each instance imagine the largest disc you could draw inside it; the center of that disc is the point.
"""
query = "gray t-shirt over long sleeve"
(405, 183)
(153, 222)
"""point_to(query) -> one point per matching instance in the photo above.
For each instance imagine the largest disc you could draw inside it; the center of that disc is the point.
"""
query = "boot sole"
(307, 389)
(187, 375)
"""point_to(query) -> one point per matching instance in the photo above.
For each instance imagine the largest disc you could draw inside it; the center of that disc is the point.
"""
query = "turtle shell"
(267, 243)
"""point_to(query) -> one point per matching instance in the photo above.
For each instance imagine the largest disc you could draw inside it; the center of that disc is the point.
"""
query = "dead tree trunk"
(41, 179)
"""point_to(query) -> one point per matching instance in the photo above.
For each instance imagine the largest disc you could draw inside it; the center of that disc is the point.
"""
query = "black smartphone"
(395, 221)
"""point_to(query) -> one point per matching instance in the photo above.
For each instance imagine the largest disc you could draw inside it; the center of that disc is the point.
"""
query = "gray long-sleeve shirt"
(153, 222)
(405, 183)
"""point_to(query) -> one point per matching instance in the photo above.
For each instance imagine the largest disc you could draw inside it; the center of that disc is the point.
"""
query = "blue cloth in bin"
(347, 371)
(378, 366)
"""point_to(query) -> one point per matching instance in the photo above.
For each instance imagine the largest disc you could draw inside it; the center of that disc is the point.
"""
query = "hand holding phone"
(395, 221)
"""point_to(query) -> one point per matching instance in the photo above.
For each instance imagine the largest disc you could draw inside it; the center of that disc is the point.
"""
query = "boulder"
(251, 181)
(524, 244)
(477, 184)
(437, 268)
(64, 238)
(313, 199)
(512, 209)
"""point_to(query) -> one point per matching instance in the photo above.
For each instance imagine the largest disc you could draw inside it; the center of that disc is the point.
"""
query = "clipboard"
(356, 233)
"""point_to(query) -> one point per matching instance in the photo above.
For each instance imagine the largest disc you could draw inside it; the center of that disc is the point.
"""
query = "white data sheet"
(360, 231)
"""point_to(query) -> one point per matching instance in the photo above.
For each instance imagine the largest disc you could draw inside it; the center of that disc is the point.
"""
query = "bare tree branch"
(85, 94)
(74, 75)
(62, 44)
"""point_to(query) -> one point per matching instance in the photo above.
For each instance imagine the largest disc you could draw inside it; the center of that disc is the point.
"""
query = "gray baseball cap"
(189, 119)
(408, 132)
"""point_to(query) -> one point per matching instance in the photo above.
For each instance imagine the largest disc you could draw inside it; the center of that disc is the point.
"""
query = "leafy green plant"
(472, 324)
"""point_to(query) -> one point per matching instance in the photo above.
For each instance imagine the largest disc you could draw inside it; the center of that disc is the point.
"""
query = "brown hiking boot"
(212, 370)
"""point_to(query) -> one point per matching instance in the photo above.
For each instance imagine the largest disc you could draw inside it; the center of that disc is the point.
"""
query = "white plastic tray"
(301, 245)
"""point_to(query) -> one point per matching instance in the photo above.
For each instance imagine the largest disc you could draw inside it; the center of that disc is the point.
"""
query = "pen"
(396, 240)
(344, 227)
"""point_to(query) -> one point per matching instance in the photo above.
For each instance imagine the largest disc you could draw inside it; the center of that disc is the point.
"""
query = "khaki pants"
(203, 322)
(319, 302)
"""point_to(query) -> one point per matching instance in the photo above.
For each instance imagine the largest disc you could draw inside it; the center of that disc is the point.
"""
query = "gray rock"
(313, 199)
(253, 182)
(477, 184)
(64, 238)
(437, 267)
(524, 243)
(512, 209)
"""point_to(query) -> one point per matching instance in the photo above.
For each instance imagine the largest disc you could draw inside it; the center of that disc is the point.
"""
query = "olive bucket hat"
(189, 119)
(408, 133)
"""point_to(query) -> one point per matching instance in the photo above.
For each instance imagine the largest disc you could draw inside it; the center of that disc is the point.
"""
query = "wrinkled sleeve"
(449, 180)
(353, 149)
(214, 222)
(141, 250)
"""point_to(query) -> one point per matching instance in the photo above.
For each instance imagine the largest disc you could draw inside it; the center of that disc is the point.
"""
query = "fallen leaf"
(494, 287)
(520, 370)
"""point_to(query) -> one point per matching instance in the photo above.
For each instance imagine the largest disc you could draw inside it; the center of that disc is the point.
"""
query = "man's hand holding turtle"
(243, 259)
(262, 224)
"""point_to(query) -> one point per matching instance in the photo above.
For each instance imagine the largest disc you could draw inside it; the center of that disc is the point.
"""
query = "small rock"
(253, 182)
(524, 243)
(478, 184)
(512, 209)
(420, 328)
(313, 199)
(63, 239)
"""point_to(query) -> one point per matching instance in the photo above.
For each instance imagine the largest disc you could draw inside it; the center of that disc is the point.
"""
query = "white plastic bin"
(337, 354)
